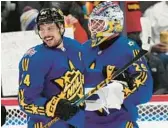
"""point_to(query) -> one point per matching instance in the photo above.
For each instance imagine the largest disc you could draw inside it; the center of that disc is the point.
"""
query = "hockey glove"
(61, 108)
(109, 70)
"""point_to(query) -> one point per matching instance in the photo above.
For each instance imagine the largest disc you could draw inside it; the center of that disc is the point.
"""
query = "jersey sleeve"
(32, 72)
(141, 79)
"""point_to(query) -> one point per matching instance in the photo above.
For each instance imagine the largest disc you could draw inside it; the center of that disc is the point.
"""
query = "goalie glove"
(61, 108)
(111, 96)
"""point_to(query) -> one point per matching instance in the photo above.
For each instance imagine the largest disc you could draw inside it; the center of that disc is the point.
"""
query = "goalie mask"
(105, 21)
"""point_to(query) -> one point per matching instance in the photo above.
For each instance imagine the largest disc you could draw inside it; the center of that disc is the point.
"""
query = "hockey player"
(51, 75)
(115, 105)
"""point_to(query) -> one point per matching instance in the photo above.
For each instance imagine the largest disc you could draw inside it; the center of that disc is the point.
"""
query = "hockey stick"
(102, 84)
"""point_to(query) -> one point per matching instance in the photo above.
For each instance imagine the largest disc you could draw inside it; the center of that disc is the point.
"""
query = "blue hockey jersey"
(46, 72)
(122, 51)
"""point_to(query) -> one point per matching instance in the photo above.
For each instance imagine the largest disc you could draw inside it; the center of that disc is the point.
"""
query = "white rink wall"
(153, 124)
(13, 47)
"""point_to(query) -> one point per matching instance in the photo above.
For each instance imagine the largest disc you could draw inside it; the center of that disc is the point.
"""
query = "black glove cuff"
(65, 110)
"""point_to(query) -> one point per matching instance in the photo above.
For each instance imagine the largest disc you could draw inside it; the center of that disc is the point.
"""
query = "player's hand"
(62, 108)
(160, 48)
(65, 110)
(70, 20)
(108, 71)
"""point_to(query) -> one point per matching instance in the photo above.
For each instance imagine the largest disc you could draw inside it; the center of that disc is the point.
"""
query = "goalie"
(115, 104)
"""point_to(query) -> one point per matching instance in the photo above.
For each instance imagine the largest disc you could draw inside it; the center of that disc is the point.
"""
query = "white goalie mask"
(106, 20)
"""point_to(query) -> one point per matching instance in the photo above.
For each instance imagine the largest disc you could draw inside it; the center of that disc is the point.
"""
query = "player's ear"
(36, 30)
(62, 28)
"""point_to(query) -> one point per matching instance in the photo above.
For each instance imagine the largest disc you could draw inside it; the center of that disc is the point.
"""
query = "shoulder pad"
(30, 52)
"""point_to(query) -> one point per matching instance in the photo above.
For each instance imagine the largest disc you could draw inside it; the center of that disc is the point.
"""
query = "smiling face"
(50, 34)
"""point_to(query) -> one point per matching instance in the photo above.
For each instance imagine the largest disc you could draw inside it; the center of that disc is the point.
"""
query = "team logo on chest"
(71, 84)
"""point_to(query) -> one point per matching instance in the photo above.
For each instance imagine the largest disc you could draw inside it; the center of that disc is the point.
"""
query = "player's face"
(50, 34)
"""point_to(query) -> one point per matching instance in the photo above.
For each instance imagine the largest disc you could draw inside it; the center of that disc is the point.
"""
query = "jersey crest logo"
(71, 84)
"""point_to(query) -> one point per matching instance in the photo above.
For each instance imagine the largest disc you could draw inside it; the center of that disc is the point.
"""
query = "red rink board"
(14, 101)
